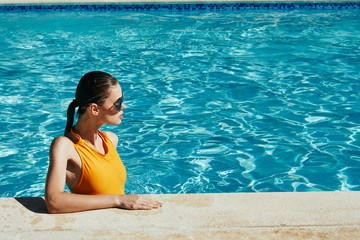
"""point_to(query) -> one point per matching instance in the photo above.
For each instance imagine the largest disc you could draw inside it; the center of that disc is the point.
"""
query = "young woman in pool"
(86, 158)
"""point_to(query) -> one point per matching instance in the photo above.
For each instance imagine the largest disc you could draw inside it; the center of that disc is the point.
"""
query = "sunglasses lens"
(120, 102)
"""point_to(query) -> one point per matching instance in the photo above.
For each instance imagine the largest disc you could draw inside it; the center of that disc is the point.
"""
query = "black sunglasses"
(119, 103)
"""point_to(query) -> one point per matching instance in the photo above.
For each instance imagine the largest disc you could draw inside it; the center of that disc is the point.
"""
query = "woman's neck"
(87, 129)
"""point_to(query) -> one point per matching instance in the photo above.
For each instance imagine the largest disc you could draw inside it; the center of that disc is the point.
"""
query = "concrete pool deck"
(309, 215)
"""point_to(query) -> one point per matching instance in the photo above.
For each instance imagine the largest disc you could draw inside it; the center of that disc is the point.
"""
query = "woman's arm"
(58, 201)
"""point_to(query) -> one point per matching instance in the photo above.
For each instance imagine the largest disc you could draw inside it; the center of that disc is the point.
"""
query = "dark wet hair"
(92, 88)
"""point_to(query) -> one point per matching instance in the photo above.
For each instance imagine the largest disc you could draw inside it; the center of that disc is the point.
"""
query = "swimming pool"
(219, 100)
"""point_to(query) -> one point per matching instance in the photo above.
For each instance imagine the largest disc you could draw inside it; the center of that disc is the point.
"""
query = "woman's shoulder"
(62, 144)
(68, 139)
(112, 136)
(61, 140)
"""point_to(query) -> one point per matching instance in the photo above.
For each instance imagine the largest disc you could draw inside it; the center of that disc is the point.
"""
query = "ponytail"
(70, 115)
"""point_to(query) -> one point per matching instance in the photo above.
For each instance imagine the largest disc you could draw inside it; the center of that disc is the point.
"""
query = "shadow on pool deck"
(310, 215)
(34, 204)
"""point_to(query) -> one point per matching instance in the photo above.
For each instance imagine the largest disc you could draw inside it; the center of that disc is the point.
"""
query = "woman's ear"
(94, 109)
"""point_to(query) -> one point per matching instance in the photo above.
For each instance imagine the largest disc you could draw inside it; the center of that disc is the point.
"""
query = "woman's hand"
(138, 202)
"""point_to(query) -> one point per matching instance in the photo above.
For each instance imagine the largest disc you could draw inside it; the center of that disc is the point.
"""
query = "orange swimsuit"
(100, 173)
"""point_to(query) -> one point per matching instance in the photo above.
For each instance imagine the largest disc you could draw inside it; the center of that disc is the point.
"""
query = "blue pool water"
(229, 101)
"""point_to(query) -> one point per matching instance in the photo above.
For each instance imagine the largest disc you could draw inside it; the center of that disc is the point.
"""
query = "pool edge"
(306, 215)
(158, 1)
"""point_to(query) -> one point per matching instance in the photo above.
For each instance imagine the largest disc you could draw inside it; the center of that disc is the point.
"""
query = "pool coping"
(296, 215)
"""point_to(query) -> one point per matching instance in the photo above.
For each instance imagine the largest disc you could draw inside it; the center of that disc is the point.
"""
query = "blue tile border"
(180, 7)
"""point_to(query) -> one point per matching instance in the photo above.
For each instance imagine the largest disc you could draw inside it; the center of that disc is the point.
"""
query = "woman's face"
(109, 110)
